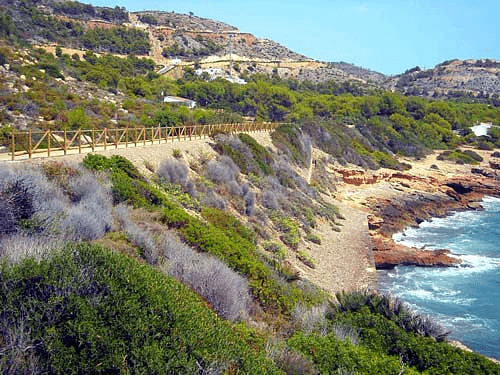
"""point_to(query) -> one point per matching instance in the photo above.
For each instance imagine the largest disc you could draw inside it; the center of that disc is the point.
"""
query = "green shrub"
(89, 310)
(290, 230)
(263, 158)
(96, 162)
(125, 165)
(387, 326)
(288, 138)
(458, 156)
(227, 222)
(239, 253)
(278, 250)
(332, 355)
(314, 238)
(306, 259)
(128, 184)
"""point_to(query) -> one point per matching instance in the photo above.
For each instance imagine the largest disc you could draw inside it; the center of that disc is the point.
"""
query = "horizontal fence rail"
(88, 140)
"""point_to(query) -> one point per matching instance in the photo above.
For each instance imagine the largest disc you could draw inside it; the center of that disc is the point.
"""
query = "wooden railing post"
(93, 140)
(13, 144)
(49, 139)
(79, 135)
(65, 142)
(30, 150)
(105, 137)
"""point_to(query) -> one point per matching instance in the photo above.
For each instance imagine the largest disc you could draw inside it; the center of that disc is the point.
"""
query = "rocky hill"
(452, 79)
(168, 38)
(178, 40)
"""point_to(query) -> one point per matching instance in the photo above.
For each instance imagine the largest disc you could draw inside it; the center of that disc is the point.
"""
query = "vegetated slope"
(68, 310)
(360, 72)
(472, 80)
(168, 35)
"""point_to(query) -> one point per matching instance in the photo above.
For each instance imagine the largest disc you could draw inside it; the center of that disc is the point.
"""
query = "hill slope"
(452, 79)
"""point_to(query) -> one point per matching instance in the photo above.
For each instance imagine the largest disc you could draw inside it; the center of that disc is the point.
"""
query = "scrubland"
(186, 270)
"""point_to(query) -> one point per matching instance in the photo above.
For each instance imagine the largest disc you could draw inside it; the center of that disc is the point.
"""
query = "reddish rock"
(387, 254)
(356, 177)
(390, 215)
(374, 222)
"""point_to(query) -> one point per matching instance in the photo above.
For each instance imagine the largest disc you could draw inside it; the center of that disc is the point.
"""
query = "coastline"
(394, 201)
(378, 204)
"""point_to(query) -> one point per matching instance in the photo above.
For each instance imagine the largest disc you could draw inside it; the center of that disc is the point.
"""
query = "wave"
(429, 234)
(464, 298)
(434, 294)
(478, 263)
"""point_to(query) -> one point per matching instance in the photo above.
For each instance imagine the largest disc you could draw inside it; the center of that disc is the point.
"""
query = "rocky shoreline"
(410, 198)
(394, 215)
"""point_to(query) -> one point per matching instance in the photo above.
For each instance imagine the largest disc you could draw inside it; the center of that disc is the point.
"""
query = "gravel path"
(141, 155)
(343, 261)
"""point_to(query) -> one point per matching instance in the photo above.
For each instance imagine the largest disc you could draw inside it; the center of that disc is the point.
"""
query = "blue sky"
(387, 36)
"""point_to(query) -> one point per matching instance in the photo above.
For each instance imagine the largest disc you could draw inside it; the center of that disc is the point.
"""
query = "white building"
(179, 101)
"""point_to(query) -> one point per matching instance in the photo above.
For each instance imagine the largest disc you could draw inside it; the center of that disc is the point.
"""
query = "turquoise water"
(464, 299)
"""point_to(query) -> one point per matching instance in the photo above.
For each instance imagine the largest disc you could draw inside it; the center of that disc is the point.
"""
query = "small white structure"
(212, 72)
(481, 129)
(239, 81)
(179, 101)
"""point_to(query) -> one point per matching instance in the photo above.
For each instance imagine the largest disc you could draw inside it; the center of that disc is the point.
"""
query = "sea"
(465, 299)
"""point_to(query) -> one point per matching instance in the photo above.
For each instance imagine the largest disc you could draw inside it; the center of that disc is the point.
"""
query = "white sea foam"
(478, 263)
(463, 299)
(491, 201)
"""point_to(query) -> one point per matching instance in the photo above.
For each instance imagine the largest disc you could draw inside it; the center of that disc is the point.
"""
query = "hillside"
(235, 253)
(167, 37)
(178, 40)
(454, 79)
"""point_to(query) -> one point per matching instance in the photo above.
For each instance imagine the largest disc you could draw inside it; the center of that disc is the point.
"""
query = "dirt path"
(343, 260)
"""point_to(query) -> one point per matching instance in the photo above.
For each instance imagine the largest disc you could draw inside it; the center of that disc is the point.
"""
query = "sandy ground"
(343, 259)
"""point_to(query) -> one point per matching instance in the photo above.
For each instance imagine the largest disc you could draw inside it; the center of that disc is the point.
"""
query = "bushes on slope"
(64, 204)
(88, 310)
(225, 290)
(241, 255)
(128, 184)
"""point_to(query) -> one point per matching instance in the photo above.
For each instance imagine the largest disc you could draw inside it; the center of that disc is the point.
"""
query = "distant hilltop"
(452, 79)
(176, 41)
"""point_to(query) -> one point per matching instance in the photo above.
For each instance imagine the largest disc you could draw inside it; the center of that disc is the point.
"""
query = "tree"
(391, 103)
(77, 118)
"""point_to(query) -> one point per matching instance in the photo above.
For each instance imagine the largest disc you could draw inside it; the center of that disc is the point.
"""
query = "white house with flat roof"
(179, 101)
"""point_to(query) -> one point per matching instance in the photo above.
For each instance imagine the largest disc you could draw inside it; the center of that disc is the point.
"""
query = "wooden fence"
(49, 141)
